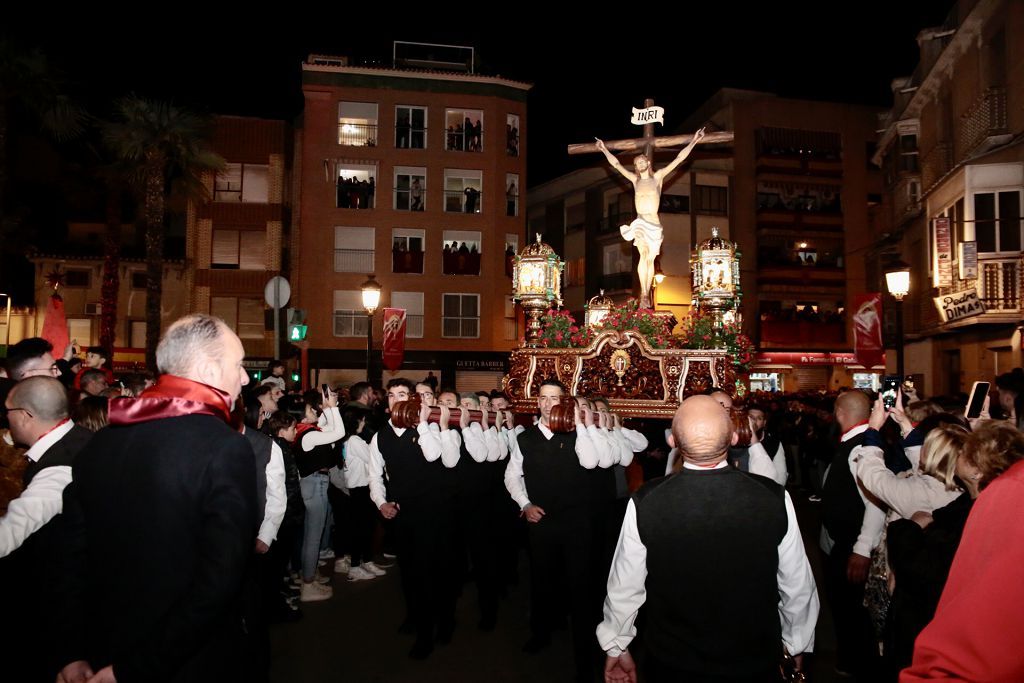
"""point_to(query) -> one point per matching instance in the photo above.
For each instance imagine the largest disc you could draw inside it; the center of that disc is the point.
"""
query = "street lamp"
(371, 299)
(7, 327)
(897, 280)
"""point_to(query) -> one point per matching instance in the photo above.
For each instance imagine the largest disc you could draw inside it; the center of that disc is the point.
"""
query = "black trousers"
(362, 518)
(856, 646)
(424, 530)
(476, 521)
(562, 550)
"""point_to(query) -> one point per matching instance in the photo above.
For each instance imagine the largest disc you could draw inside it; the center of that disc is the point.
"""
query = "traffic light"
(296, 333)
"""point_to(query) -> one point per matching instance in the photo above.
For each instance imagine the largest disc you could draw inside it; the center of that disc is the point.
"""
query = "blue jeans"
(314, 495)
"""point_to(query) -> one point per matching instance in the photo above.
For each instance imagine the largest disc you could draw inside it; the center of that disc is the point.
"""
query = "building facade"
(414, 176)
(236, 241)
(952, 152)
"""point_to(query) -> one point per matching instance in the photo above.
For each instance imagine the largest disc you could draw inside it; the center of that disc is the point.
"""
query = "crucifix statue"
(645, 231)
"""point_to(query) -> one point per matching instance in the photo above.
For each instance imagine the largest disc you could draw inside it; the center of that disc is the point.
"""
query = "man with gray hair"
(161, 519)
(708, 544)
(37, 411)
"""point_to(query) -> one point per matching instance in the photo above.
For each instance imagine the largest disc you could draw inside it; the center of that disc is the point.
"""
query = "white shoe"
(342, 565)
(327, 554)
(315, 592)
(320, 578)
(359, 574)
(373, 569)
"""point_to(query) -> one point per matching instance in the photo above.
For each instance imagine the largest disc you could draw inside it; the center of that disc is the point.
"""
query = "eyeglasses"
(52, 370)
(24, 410)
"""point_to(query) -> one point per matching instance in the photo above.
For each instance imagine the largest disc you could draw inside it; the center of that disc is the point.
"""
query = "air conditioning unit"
(93, 309)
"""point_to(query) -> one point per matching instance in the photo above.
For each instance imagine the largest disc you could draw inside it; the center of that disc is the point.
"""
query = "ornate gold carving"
(620, 363)
(698, 378)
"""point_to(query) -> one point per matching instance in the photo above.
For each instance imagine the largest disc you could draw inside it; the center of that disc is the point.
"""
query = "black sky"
(587, 72)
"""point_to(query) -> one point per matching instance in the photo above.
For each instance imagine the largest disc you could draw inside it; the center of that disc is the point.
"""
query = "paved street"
(354, 637)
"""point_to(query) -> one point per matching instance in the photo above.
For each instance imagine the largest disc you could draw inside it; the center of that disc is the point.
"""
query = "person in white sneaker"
(362, 512)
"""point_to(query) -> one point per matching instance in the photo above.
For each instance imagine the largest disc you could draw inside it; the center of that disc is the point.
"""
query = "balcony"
(984, 119)
(409, 199)
(413, 325)
(464, 139)
(935, 164)
(511, 329)
(458, 262)
(463, 201)
(410, 137)
(801, 276)
(406, 261)
(803, 333)
(827, 165)
(357, 134)
(1000, 285)
(355, 194)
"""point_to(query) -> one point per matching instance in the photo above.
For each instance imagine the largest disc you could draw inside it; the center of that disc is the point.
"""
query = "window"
(407, 250)
(244, 316)
(357, 124)
(712, 200)
(350, 318)
(908, 153)
(461, 252)
(78, 278)
(353, 250)
(410, 188)
(239, 249)
(511, 194)
(618, 258)
(138, 279)
(463, 190)
(461, 316)
(680, 203)
(242, 183)
(511, 249)
(411, 127)
(412, 302)
(997, 221)
(80, 329)
(356, 185)
(512, 135)
(465, 131)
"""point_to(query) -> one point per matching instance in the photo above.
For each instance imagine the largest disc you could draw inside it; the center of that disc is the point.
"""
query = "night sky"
(586, 75)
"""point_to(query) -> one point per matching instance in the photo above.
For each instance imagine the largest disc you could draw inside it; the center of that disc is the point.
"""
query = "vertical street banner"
(943, 253)
(968, 260)
(867, 330)
(393, 350)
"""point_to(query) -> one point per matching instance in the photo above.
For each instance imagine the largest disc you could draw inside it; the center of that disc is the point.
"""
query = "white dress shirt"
(432, 442)
(874, 517)
(477, 444)
(514, 483)
(798, 595)
(42, 499)
(357, 462)
(277, 496)
(772, 467)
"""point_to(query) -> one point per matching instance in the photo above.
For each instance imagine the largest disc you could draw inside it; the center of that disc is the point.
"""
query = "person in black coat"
(160, 521)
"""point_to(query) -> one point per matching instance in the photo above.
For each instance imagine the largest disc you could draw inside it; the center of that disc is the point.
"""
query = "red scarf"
(303, 427)
(171, 396)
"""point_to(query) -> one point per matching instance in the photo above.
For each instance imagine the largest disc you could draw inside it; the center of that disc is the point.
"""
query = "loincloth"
(650, 234)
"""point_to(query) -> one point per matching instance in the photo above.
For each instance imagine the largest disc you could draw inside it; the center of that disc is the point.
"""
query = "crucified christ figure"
(645, 231)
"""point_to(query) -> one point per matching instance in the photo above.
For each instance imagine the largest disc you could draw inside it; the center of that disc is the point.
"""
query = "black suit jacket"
(160, 522)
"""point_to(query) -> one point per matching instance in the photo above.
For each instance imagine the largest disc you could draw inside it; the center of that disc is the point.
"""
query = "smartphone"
(978, 393)
(890, 384)
(324, 389)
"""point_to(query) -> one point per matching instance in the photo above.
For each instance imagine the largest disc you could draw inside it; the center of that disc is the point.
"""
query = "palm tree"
(166, 146)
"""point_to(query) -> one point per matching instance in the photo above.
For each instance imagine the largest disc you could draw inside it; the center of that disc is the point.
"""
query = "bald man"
(715, 548)
(37, 409)
(851, 527)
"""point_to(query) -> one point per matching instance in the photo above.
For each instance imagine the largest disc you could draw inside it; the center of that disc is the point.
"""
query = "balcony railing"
(464, 328)
(935, 164)
(406, 261)
(461, 140)
(460, 262)
(355, 194)
(407, 137)
(985, 118)
(413, 325)
(463, 201)
(353, 261)
(511, 329)
(1000, 285)
(350, 323)
(410, 199)
(357, 134)
(802, 332)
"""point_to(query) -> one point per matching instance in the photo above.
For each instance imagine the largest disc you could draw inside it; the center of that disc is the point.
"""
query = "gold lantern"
(537, 284)
(598, 309)
(715, 269)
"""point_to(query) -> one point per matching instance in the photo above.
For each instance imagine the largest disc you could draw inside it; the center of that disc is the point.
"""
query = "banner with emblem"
(393, 350)
(867, 330)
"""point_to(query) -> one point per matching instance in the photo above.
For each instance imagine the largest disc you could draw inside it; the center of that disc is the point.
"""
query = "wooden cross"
(648, 143)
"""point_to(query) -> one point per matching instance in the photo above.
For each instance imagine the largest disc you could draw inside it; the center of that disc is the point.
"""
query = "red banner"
(55, 325)
(867, 330)
(393, 351)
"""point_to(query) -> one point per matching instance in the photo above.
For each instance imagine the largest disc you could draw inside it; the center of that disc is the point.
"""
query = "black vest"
(409, 473)
(739, 456)
(472, 478)
(60, 454)
(322, 457)
(261, 444)
(554, 478)
(712, 541)
(842, 509)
